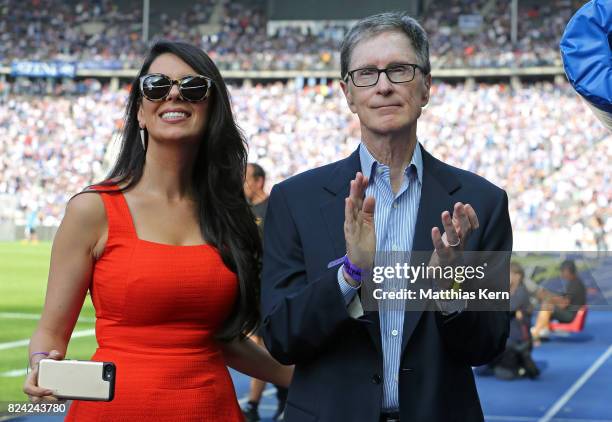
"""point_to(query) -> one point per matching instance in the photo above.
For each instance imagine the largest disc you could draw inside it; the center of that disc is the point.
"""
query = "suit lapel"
(333, 215)
(436, 196)
(333, 209)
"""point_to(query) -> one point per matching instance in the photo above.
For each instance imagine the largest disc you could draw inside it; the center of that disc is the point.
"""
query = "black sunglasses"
(192, 88)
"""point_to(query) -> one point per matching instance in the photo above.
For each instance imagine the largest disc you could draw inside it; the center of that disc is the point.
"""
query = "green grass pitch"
(23, 282)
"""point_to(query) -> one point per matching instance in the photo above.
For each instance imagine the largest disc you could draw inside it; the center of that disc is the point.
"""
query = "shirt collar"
(369, 163)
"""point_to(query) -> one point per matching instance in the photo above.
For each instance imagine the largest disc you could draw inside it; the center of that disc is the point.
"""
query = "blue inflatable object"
(586, 49)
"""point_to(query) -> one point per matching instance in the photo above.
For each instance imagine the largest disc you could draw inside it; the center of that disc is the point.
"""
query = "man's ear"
(348, 95)
(426, 90)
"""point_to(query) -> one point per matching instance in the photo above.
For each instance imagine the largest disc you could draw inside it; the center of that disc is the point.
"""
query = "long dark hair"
(226, 220)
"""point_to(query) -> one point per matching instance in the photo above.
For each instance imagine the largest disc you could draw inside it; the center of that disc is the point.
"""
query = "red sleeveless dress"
(157, 308)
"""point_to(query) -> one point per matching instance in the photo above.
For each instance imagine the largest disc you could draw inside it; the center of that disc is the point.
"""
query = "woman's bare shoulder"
(87, 207)
(86, 217)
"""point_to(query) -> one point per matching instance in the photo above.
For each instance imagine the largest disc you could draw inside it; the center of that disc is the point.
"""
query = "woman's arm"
(80, 236)
(251, 359)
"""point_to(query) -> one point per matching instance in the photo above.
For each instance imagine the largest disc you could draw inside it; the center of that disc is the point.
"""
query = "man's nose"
(384, 86)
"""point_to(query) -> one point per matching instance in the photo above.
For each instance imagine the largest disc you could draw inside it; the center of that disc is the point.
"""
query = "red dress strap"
(120, 224)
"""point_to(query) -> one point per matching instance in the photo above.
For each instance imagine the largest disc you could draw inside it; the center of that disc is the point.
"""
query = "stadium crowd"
(52, 146)
(540, 25)
(87, 30)
(98, 31)
(539, 142)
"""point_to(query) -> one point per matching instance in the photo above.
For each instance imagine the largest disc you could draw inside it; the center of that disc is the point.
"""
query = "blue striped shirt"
(394, 219)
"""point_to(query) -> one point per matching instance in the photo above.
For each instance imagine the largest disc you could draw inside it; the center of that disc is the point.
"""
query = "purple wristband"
(352, 270)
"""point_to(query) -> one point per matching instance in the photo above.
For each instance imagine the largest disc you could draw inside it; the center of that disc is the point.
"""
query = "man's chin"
(390, 128)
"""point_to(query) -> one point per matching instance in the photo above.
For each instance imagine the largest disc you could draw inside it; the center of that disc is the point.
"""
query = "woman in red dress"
(169, 250)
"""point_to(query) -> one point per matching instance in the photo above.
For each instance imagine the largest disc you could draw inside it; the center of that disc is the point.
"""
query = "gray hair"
(385, 22)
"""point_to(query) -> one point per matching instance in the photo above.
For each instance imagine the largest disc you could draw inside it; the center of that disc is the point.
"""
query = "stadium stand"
(538, 142)
(535, 139)
(236, 33)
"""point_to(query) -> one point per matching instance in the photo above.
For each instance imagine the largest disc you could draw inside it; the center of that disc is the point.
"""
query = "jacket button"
(376, 379)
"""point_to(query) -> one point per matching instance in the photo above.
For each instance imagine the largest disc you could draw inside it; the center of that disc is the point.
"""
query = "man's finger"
(360, 188)
(347, 211)
(471, 214)
(436, 238)
(449, 229)
(354, 194)
(352, 189)
(369, 204)
(461, 221)
(456, 219)
(355, 200)
(348, 214)
(363, 184)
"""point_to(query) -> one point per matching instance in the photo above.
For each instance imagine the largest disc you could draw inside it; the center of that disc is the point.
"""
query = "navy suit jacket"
(338, 358)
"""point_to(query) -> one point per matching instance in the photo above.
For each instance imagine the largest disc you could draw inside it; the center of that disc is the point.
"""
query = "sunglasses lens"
(156, 87)
(194, 88)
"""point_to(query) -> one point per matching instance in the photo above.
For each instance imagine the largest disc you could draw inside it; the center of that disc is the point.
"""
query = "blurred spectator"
(516, 360)
(539, 142)
(254, 182)
(53, 146)
(84, 30)
(599, 233)
(560, 306)
(32, 223)
(93, 31)
(540, 26)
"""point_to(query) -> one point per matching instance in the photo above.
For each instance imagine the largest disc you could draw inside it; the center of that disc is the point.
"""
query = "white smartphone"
(78, 379)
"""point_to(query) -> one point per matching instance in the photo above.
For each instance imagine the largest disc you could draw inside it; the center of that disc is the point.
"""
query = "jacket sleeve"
(300, 314)
(477, 337)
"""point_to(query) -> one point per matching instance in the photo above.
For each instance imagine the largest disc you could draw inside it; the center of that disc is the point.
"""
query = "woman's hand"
(35, 393)
(246, 356)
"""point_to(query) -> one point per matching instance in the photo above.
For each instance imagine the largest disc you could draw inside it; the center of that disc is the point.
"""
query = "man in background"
(516, 361)
(254, 191)
(32, 223)
(563, 306)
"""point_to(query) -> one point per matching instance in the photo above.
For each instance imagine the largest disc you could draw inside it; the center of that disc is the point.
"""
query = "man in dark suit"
(354, 363)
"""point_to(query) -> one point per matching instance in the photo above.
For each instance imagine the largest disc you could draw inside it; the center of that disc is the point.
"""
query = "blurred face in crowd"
(173, 119)
(252, 184)
(386, 107)
(515, 279)
(567, 274)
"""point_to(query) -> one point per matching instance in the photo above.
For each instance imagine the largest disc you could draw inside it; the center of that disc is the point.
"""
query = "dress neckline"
(151, 242)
